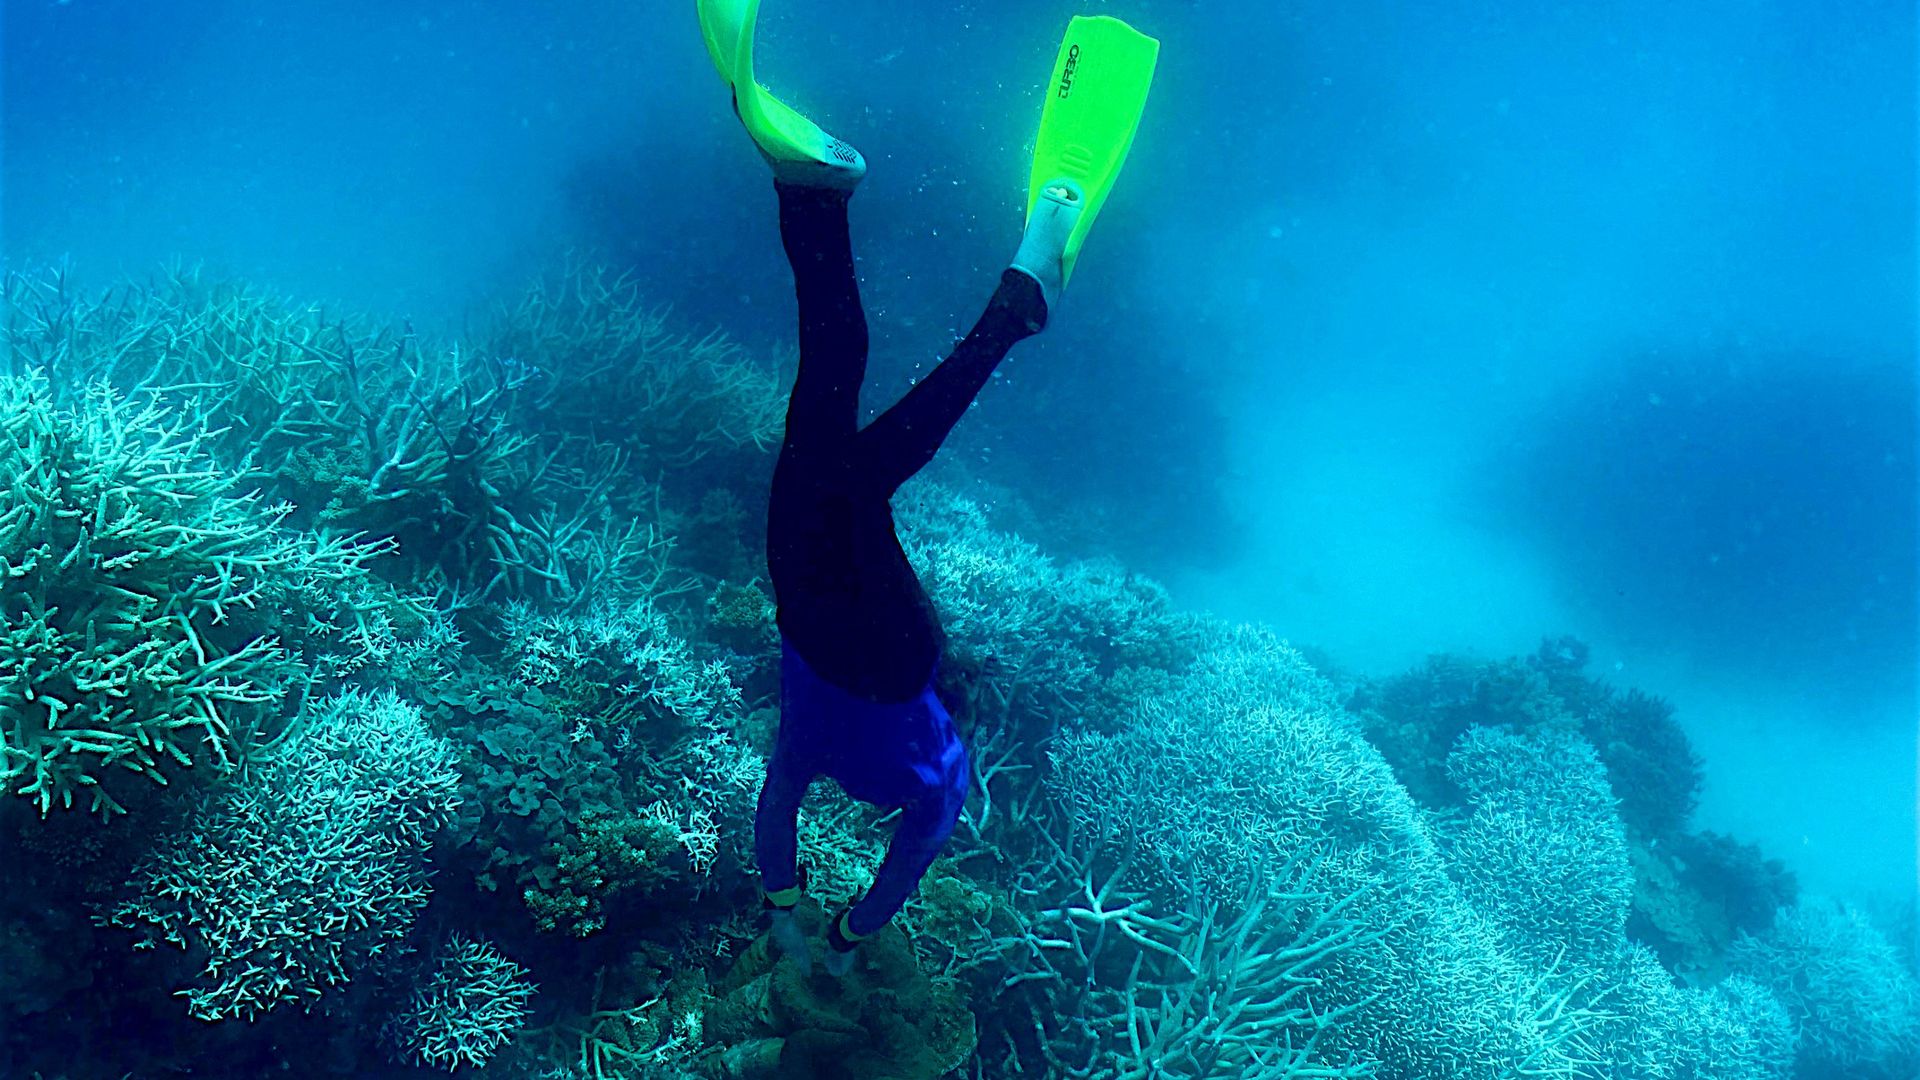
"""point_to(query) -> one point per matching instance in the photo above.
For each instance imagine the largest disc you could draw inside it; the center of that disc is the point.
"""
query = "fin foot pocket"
(1050, 225)
(799, 152)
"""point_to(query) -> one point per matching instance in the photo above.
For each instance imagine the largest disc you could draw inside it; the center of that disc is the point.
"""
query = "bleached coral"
(304, 873)
(467, 1005)
(151, 617)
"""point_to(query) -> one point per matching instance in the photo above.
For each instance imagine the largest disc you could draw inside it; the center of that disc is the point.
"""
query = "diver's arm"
(917, 840)
(902, 440)
(776, 831)
(825, 403)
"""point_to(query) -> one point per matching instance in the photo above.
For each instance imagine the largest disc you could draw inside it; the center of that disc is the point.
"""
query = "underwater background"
(1438, 601)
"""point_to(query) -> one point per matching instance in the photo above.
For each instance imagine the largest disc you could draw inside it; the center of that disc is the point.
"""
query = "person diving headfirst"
(860, 641)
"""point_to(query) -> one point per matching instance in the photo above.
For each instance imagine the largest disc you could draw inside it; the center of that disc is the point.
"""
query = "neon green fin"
(1099, 90)
(796, 147)
(720, 26)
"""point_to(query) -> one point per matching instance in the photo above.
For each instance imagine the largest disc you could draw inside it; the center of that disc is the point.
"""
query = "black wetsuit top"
(849, 602)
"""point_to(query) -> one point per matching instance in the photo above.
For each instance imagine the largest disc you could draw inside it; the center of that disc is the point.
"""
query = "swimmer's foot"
(1043, 247)
(800, 152)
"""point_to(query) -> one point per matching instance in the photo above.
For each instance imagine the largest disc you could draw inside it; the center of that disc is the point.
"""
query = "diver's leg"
(825, 404)
(903, 439)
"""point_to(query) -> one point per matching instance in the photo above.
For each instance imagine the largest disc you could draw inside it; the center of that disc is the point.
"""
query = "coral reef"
(1243, 760)
(363, 428)
(455, 670)
(1251, 801)
(1736, 1030)
(607, 367)
(1032, 640)
(638, 1023)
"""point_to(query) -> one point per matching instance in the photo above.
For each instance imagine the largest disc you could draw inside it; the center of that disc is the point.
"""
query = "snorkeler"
(860, 642)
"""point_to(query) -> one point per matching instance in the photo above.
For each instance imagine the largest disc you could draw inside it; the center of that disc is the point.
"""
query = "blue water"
(1411, 329)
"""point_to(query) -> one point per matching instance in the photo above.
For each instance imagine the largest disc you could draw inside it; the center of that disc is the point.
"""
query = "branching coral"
(304, 874)
(251, 360)
(1205, 990)
(1854, 1006)
(468, 1003)
(150, 617)
(619, 667)
(1734, 1031)
(1037, 638)
(368, 429)
(1650, 762)
(652, 1036)
(1543, 853)
(612, 369)
(1244, 762)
